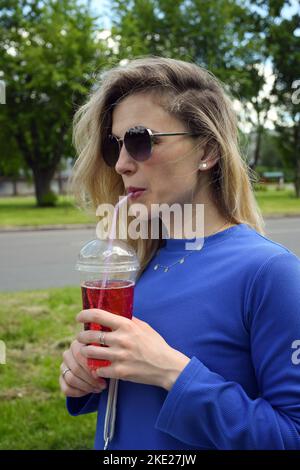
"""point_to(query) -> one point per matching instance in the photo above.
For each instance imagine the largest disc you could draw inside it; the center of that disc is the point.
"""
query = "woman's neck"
(201, 220)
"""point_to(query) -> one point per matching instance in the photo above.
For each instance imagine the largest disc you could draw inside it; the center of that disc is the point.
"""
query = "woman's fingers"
(102, 317)
(81, 378)
(79, 358)
(77, 383)
(77, 377)
(78, 370)
(101, 353)
(70, 391)
(74, 382)
(96, 337)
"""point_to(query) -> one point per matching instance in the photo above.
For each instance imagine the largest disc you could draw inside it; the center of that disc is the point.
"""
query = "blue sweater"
(234, 309)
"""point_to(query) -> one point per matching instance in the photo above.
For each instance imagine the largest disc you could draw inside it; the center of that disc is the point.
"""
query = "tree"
(212, 34)
(51, 56)
(285, 44)
(226, 37)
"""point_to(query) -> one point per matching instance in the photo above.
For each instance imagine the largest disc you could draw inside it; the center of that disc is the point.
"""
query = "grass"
(21, 211)
(274, 202)
(37, 326)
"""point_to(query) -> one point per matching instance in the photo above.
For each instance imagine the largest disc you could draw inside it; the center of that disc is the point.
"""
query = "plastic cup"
(108, 271)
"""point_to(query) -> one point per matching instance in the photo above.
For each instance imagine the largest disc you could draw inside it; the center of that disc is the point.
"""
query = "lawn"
(22, 211)
(37, 326)
(274, 202)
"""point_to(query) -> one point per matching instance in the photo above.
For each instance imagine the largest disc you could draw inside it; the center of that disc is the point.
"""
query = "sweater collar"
(178, 244)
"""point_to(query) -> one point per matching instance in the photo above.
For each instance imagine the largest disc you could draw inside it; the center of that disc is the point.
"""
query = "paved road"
(41, 259)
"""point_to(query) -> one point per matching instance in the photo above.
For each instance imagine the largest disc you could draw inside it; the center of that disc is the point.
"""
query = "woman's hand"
(78, 380)
(136, 351)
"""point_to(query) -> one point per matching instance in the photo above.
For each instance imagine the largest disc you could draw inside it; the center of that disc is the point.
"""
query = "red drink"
(116, 297)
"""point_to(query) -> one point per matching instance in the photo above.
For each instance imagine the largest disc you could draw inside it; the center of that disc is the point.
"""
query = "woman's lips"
(136, 194)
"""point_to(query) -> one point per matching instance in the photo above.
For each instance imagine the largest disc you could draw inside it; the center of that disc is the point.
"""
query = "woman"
(206, 361)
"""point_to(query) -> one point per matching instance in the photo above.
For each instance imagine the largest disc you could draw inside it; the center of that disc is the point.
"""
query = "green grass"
(23, 211)
(274, 202)
(37, 326)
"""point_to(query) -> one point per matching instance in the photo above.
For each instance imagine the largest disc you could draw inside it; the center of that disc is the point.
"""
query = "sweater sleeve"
(83, 405)
(204, 409)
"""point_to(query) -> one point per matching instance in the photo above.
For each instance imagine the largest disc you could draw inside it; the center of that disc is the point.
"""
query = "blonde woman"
(208, 360)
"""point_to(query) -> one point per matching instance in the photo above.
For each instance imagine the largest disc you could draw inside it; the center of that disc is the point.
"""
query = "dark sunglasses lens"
(110, 150)
(138, 143)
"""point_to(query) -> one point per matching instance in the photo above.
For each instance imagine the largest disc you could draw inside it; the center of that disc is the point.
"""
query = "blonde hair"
(195, 97)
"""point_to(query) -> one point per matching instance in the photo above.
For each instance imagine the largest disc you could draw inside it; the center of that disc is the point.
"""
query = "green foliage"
(48, 199)
(50, 56)
(236, 40)
(40, 326)
(217, 35)
(284, 44)
(260, 187)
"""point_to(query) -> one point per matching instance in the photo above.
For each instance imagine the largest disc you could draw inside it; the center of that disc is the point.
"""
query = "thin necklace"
(182, 259)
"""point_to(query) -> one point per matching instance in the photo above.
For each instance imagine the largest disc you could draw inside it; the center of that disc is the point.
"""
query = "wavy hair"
(195, 97)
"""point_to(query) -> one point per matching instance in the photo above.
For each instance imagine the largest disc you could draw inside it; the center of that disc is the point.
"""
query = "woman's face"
(171, 174)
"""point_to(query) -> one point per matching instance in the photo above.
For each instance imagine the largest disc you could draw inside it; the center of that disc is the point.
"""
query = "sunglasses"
(138, 142)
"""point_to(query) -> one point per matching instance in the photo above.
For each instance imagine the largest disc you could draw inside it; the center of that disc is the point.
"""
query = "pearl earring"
(204, 165)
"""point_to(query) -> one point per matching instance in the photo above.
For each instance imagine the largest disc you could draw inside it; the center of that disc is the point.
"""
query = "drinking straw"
(110, 415)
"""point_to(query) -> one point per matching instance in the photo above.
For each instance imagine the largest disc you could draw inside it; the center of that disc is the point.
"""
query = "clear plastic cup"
(108, 271)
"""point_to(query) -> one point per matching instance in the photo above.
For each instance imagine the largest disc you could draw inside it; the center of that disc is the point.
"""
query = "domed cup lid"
(104, 256)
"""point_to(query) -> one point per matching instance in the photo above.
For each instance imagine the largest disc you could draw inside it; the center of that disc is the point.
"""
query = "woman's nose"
(125, 162)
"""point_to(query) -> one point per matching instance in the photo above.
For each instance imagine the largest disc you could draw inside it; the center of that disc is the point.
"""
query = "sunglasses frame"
(151, 135)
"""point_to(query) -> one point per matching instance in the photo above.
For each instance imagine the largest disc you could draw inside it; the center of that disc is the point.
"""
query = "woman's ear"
(209, 157)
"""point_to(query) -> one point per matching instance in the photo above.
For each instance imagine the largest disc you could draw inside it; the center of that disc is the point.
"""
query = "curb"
(39, 228)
